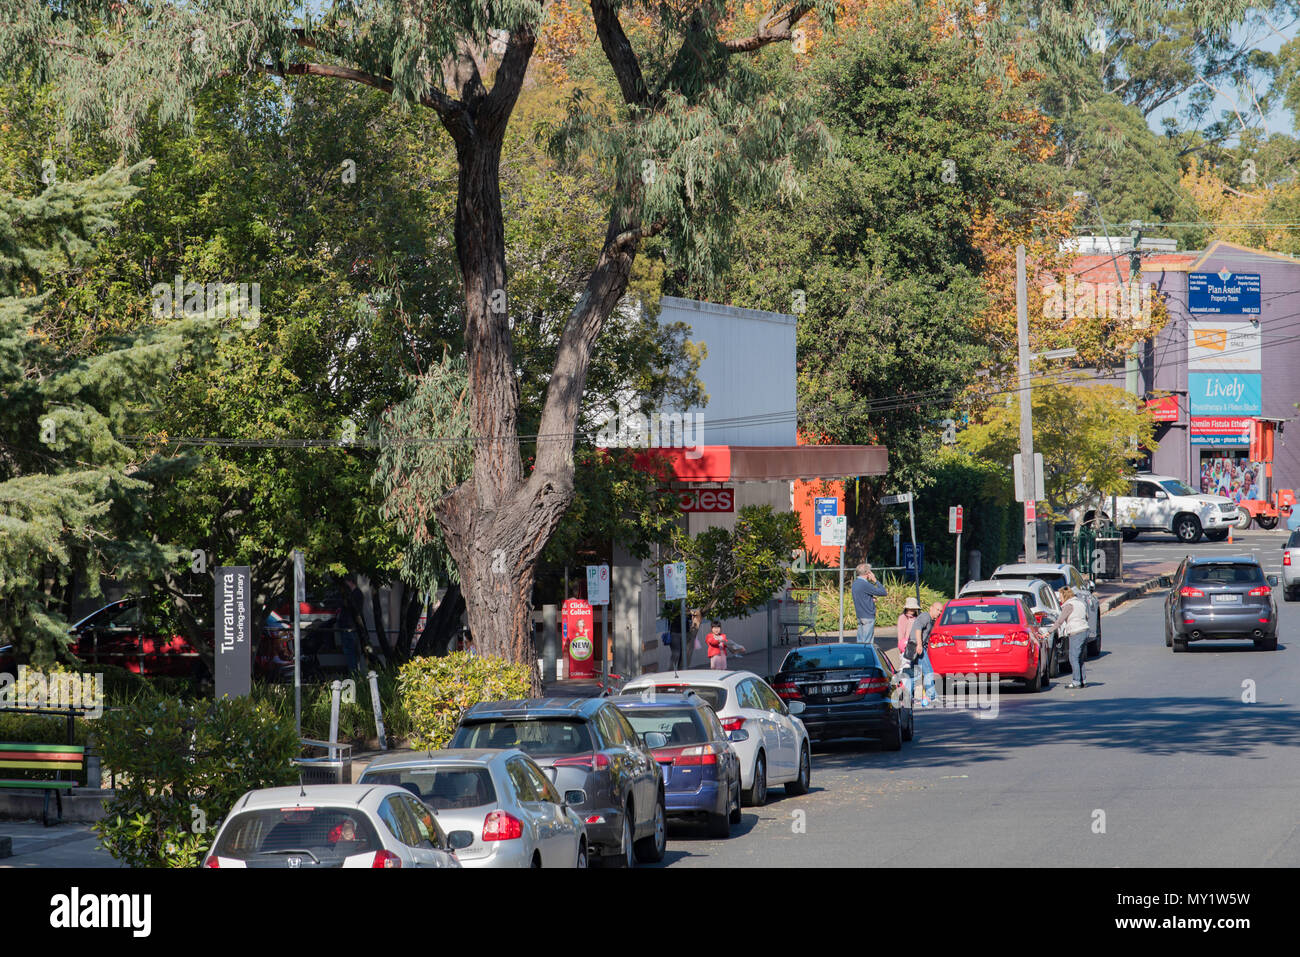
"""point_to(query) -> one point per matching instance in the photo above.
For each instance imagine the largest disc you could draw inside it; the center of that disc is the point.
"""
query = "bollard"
(336, 688)
(379, 716)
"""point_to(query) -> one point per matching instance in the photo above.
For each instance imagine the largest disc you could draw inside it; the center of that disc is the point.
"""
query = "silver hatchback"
(501, 799)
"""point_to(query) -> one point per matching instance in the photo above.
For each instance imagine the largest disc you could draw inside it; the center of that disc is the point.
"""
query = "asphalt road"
(1266, 546)
(1160, 763)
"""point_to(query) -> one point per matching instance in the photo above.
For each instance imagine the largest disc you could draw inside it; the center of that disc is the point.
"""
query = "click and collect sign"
(1223, 293)
(1225, 393)
(234, 632)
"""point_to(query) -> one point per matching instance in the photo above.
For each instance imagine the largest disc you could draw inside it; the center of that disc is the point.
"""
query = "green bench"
(58, 759)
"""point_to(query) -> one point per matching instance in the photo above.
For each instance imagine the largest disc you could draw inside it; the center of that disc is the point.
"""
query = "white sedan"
(771, 741)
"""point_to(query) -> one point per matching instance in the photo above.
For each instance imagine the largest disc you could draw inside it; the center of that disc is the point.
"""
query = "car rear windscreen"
(681, 725)
(1294, 540)
(837, 656)
(538, 737)
(1056, 580)
(440, 787)
(1228, 573)
(326, 834)
(981, 615)
(715, 698)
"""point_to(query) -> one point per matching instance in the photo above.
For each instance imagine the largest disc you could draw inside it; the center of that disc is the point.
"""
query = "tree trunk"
(441, 625)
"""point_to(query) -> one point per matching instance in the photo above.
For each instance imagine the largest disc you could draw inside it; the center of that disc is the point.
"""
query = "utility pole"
(1026, 409)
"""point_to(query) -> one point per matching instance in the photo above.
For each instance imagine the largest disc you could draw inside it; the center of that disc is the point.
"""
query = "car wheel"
(627, 855)
(1035, 684)
(1218, 535)
(1129, 534)
(1267, 522)
(800, 784)
(720, 824)
(650, 849)
(1266, 644)
(757, 795)
(1188, 529)
(893, 740)
(1169, 638)
(1094, 647)
(1180, 644)
(1243, 519)
(537, 859)
(910, 728)
(1291, 594)
(581, 863)
(735, 807)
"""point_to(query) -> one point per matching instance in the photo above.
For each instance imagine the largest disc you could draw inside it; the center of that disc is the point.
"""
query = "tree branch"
(773, 28)
(509, 80)
(619, 52)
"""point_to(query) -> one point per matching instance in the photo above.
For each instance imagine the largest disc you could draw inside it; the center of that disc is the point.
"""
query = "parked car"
(332, 825)
(1059, 576)
(592, 749)
(127, 635)
(1162, 503)
(510, 808)
(1043, 605)
(990, 636)
(848, 690)
(772, 742)
(701, 769)
(1218, 598)
(1291, 567)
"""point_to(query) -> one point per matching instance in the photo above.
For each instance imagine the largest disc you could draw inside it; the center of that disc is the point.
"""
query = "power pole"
(1026, 408)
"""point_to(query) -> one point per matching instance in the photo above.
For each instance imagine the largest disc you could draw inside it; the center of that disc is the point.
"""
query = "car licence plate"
(977, 644)
(834, 689)
(1227, 599)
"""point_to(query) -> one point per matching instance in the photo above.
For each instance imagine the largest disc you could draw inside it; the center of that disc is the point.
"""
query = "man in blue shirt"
(865, 592)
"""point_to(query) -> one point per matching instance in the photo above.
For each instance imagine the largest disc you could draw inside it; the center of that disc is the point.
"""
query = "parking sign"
(598, 584)
(674, 581)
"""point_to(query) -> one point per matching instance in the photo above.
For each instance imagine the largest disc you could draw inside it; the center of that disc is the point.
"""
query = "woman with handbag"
(1073, 623)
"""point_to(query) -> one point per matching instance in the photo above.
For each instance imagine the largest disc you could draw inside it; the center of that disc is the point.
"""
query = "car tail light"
(500, 826)
(787, 690)
(1286, 558)
(1263, 621)
(940, 639)
(212, 862)
(385, 859)
(589, 761)
(1188, 592)
(1189, 621)
(733, 724)
(1261, 590)
(872, 684)
(1016, 638)
(699, 754)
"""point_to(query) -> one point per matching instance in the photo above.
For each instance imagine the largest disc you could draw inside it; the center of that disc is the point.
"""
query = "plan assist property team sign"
(1223, 358)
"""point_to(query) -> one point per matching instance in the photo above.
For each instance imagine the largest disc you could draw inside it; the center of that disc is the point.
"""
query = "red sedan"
(991, 635)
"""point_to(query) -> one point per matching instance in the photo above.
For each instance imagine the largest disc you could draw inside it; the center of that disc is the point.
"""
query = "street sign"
(233, 643)
(897, 499)
(913, 554)
(1040, 492)
(954, 520)
(674, 581)
(1031, 513)
(824, 506)
(598, 584)
(835, 530)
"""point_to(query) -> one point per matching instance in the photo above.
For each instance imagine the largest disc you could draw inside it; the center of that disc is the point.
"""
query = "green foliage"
(732, 572)
(1088, 436)
(180, 768)
(888, 607)
(437, 691)
(356, 718)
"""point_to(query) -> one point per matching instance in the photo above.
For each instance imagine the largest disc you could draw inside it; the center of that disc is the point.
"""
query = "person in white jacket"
(1073, 623)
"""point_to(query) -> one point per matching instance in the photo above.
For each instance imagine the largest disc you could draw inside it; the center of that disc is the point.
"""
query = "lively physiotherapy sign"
(1223, 293)
(234, 632)
(1224, 393)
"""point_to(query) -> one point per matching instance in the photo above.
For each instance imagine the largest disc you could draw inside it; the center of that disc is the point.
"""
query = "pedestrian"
(916, 653)
(719, 646)
(353, 610)
(911, 608)
(866, 589)
(1073, 623)
(674, 639)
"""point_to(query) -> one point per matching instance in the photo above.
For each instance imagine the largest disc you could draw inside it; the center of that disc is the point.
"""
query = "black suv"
(1213, 598)
(586, 744)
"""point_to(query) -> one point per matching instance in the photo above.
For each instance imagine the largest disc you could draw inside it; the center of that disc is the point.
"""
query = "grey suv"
(584, 744)
(1214, 598)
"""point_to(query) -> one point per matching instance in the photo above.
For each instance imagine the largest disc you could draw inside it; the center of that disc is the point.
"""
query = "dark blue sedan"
(701, 769)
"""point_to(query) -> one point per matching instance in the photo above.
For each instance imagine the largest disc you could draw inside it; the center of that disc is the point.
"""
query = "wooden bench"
(59, 759)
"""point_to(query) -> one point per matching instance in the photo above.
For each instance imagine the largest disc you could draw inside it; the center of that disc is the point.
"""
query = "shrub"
(888, 607)
(181, 765)
(356, 717)
(437, 691)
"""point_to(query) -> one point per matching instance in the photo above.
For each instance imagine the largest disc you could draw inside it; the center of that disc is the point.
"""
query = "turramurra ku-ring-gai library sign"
(234, 632)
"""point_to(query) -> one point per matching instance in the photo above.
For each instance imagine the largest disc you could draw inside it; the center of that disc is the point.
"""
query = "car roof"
(692, 676)
(831, 644)
(1223, 560)
(1032, 567)
(658, 701)
(446, 756)
(314, 795)
(1007, 584)
(984, 600)
(579, 709)
(1153, 477)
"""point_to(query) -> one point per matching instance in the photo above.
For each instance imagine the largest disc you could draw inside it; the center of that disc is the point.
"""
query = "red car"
(992, 634)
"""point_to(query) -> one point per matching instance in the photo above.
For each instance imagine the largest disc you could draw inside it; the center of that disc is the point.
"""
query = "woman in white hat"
(911, 608)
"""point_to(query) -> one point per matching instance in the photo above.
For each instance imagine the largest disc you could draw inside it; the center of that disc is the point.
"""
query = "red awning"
(783, 463)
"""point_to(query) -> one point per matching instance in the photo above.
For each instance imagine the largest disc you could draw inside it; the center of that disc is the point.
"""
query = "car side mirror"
(1272, 581)
(1161, 496)
(795, 707)
(575, 798)
(459, 840)
(740, 734)
(654, 739)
